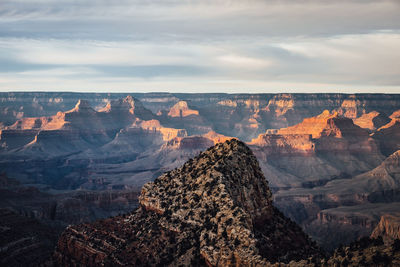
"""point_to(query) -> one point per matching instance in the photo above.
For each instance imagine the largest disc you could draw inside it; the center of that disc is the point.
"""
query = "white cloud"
(71, 52)
(244, 61)
(366, 58)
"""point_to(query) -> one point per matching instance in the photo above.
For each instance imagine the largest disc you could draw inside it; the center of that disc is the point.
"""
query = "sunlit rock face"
(395, 114)
(325, 124)
(183, 116)
(215, 210)
(388, 228)
(285, 144)
(181, 109)
(372, 120)
(155, 125)
(78, 129)
(325, 146)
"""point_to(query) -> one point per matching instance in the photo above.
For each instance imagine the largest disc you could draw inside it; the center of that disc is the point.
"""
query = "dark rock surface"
(215, 210)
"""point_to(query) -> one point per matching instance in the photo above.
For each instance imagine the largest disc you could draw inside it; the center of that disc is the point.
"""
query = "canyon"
(332, 160)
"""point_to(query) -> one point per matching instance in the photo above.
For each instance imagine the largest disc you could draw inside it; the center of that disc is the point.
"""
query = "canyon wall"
(326, 156)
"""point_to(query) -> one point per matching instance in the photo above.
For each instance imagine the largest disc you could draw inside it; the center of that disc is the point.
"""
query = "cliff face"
(121, 141)
(388, 228)
(325, 132)
(78, 129)
(66, 208)
(321, 148)
(372, 120)
(182, 116)
(350, 208)
(325, 124)
(155, 126)
(215, 210)
(181, 109)
(11, 139)
(388, 136)
(285, 144)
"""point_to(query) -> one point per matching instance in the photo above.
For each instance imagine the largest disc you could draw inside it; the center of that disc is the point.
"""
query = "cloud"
(368, 58)
(196, 19)
(244, 62)
(208, 45)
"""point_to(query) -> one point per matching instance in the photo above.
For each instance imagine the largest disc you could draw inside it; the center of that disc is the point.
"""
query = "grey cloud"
(152, 71)
(221, 42)
(197, 20)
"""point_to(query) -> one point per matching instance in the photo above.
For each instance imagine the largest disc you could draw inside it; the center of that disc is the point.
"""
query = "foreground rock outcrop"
(215, 210)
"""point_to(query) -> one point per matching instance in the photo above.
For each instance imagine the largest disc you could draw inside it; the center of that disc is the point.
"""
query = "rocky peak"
(127, 104)
(212, 170)
(127, 107)
(130, 99)
(181, 109)
(131, 103)
(215, 210)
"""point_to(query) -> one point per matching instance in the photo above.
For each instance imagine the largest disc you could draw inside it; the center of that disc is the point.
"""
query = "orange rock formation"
(181, 109)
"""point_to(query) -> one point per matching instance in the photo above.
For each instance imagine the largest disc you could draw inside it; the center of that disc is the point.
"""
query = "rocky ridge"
(215, 210)
(372, 120)
(388, 228)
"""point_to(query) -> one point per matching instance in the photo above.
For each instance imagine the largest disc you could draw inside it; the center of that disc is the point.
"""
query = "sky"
(232, 46)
